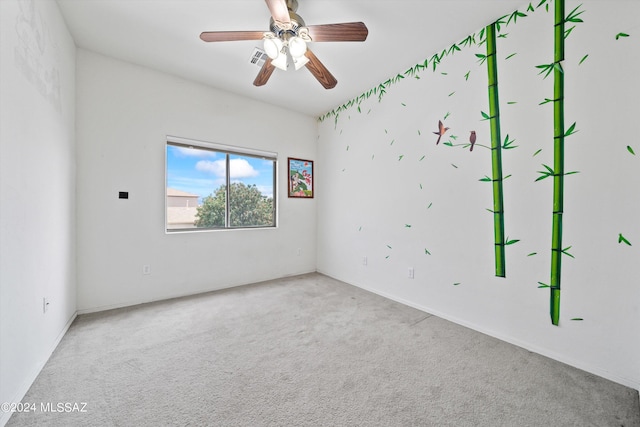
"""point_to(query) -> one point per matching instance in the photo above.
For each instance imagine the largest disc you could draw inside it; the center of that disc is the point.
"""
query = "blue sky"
(202, 171)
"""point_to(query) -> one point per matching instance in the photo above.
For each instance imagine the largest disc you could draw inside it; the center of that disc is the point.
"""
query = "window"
(213, 186)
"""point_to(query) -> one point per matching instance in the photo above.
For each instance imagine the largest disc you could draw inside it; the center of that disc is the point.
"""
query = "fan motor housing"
(296, 23)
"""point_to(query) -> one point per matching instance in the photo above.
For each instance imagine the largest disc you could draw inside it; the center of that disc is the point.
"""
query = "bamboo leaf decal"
(426, 252)
(435, 60)
(619, 35)
(566, 252)
(543, 285)
(546, 68)
(499, 22)
(622, 239)
(508, 143)
(515, 15)
(583, 59)
(567, 32)
(573, 15)
(543, 2)
(577, 318)
(481, 58)
(629, 149)
(558, 162)
(545, 174)
(496, 150)
(467, 41)
(571, 130)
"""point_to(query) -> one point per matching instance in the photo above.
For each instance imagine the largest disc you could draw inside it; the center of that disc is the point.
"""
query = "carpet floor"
(306, 351)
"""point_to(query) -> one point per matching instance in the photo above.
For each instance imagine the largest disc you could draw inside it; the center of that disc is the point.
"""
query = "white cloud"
(216, 167)
(240, 168)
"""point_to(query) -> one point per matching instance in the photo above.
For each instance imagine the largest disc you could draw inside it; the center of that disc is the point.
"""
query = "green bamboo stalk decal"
(496, 152)
(558, 161)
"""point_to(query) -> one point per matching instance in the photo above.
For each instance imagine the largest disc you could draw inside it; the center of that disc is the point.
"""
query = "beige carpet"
(307, 351)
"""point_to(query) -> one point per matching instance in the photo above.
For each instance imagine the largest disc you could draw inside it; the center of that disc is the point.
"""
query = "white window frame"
(227, 150)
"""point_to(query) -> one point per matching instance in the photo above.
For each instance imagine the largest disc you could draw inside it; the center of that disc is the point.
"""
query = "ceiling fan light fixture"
(297, 47)
(280, 61)
(300, 62)
(272, 47)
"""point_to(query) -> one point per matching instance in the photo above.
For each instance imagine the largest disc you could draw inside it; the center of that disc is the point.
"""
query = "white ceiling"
(164, 35)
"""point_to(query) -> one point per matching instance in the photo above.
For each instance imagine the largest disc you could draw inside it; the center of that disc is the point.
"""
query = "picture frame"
(300, 178)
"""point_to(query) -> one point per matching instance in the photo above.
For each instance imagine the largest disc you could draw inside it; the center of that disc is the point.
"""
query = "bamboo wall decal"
(469, 41)
(558, 161)
(496, 152)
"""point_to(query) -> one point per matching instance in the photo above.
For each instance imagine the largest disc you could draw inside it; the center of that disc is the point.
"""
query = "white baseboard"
(5, 416)
(167, 297)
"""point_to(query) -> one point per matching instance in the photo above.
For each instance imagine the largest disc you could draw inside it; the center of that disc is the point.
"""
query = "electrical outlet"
(45, 304)
(411, 273)
(364, 260)
(146, 269)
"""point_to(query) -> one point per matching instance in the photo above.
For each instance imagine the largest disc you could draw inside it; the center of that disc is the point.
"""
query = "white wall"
(387, 192)
(124, 113)
(37, 189)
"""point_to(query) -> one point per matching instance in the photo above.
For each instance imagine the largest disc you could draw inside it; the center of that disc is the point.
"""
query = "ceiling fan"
(288, 38)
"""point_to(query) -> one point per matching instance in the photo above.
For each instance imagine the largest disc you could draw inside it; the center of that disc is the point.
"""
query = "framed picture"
(300, 178)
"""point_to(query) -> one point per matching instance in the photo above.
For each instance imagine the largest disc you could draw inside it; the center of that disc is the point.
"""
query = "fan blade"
(230, 36)
(345, 32)
(319, 71)
(280, 13)
(264, 73)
